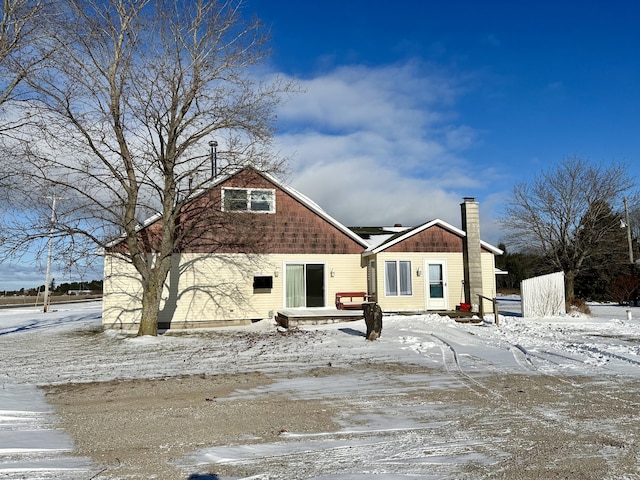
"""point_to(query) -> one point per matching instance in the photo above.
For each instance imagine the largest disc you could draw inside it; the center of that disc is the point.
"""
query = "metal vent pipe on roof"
(214, 158)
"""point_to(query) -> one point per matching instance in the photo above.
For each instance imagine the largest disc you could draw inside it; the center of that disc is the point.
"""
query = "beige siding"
(417, 301)
(348, 275)
(120, 303)
(454, 276)
(488, 279)
(204, 290)
(209, 290)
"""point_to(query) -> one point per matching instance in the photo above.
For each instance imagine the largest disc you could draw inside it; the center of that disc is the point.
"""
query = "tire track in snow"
(527, 360)
(563, 379)
(607, 354)
(524, 357)
(452, 365)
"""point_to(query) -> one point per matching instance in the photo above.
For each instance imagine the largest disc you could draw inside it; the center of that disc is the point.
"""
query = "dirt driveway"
(393, 420)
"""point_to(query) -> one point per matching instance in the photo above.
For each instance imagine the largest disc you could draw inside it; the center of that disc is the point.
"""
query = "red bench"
(351, 300)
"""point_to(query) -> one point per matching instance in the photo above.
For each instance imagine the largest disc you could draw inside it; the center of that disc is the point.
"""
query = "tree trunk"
(151, 296)
(373, 319)
(569, 280)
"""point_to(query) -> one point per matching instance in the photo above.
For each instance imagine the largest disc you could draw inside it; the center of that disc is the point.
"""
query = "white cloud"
(390, 100)
(365, 194)
(379, 146)
(15, 276)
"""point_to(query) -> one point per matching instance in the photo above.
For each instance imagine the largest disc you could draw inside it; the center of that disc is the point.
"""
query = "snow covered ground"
(67, 346)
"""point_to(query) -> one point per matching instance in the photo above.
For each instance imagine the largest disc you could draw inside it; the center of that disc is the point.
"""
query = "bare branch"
(123, 109)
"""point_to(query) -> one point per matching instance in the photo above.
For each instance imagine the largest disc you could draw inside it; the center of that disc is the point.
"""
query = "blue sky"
(409, 106)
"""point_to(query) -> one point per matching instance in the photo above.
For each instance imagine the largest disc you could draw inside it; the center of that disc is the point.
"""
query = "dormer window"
(249, 200)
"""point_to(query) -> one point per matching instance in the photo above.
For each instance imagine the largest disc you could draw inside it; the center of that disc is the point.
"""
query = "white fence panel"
(543, 296)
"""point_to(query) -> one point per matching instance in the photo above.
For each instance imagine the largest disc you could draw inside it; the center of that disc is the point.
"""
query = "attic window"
(249, 200)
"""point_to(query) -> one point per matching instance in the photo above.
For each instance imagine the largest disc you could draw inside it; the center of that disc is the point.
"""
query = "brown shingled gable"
(433, 239)
(293, 229)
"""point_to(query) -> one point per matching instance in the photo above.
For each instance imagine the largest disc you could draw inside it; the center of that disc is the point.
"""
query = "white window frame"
(304, 264)
(249, 193)
(397, 286)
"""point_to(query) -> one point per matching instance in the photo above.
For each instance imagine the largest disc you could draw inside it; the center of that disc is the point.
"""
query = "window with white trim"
(249, 200)
(397, 278)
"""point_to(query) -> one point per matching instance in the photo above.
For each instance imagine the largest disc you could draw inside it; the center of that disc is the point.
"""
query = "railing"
(494, 301)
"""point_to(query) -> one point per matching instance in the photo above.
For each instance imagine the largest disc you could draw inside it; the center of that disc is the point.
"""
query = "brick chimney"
(471, 250)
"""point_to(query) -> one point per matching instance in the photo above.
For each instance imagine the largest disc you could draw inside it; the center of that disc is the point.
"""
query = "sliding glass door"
(304, 285)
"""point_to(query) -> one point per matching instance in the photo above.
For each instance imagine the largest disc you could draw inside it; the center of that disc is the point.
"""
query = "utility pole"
(626, 212)
(54, 198)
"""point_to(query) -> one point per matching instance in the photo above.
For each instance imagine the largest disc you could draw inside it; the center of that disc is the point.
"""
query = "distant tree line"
(93, 286)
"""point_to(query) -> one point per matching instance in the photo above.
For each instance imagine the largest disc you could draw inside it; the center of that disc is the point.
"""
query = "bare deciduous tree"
(20, 28)
(21, 51)
(125, 109)
(564, 214)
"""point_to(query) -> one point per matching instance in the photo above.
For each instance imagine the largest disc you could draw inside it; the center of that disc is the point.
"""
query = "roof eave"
(461, 233)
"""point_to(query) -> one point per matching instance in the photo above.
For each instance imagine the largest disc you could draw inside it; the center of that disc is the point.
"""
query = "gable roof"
(403, 235)
(303, 199)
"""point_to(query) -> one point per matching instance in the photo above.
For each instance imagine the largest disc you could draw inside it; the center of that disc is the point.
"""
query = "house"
(263, 247)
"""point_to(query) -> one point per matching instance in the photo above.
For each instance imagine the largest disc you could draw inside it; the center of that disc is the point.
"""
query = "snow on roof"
(375, 240)
(375, 236)
(408, 232)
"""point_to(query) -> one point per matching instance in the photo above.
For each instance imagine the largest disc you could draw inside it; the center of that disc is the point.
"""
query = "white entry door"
(435, 284)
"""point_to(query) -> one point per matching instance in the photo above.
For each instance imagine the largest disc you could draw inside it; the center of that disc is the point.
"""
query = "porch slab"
(316, 316)
(322, 316)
